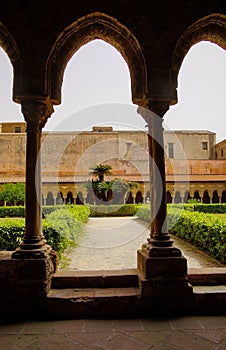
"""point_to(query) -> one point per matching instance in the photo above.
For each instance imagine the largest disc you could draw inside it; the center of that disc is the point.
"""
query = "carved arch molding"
(210, 28)
(96, 26)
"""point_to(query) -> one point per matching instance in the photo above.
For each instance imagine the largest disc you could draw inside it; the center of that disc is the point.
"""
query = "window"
(17, 129)
(222, 152)
(205, 146)
(170, 150)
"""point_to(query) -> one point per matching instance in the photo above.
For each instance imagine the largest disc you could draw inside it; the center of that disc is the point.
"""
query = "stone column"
(161, 267)
(34, 245)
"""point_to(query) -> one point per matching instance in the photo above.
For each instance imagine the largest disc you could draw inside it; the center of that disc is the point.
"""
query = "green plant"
(13, 193)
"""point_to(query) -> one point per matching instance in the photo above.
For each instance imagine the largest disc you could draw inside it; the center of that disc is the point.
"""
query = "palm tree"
(100, 171)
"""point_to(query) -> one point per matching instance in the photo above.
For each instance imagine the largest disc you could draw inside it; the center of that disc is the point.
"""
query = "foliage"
(14, 211)
(206, 231)
(61, 228)
(114, 210)
(210, 208)
(100, 170)
(11, 233)
(13, 193)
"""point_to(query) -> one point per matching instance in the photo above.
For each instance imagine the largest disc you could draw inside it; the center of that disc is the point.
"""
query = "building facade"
(192, 172)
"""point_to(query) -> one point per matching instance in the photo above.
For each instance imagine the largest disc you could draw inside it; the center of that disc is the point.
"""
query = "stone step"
(210, 300)
(95, 279)
(93, 302)
(207, 276)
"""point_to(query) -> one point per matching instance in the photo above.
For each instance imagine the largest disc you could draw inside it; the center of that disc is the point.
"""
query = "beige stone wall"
(220, 150)
(68, 156)
(190, 144)
(14, 127)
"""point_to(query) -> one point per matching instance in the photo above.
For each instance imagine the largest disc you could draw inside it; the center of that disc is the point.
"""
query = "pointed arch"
(9, 45)
(95, 26)
(210, 28)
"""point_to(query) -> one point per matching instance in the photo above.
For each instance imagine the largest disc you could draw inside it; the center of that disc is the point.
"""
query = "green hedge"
(61, 228)
(204, 231)
(210, 208)
(12, 211)
(200, 207)
(113, 210)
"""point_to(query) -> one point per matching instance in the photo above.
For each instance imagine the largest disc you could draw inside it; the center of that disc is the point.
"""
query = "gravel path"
(112, 244)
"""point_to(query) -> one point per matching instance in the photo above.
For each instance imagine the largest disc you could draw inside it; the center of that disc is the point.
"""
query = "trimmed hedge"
(12, 212)
(210, 208)
(114, 210)
(202, 230)
(61, 228)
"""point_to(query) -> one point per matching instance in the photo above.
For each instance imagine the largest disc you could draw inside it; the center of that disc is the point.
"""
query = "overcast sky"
(96, 90)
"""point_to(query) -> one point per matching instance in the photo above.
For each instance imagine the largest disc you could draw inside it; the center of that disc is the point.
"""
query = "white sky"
(96, 90)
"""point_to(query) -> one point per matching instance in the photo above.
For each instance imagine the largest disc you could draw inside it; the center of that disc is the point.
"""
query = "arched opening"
(215, 198)
(206, 197)
(129, 199)
(70, 198)
(79, 199)
(49, 199)
(100, 94)
(197, 196)
(169, 198)
(187, 197)
(59, 198)
(223, 197)
(177, 198)
(139, 198)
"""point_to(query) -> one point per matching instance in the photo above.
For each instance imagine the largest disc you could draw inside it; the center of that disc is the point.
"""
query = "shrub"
(205, 231)
(61, 228)
(12, 211)
(202, 230)
(11, 233)
(113, 210)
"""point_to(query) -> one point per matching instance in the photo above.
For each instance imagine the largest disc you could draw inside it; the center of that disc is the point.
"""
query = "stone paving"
(188, 333)
(112, 244)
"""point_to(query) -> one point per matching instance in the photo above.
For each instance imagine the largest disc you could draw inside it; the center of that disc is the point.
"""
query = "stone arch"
(169, 198)
(70, 199)
(79, 198)
(49, 199)
(139, 198)
(197, 196)
(9, 45)
(187, 196)
(206, 197)
(96, 26)
(177, 198)
(215, 198)
(223, 197)
(59, 198)
(210, 28)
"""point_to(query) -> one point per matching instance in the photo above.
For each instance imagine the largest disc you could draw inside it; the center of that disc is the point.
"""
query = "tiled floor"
(190, 333)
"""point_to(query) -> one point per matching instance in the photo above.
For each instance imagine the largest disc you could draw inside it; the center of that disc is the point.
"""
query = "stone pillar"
(34, 261)
(35, 113)
(161, 267)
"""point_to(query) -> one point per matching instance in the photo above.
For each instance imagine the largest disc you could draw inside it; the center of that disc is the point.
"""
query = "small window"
(17, 129)
(222, 152)
(170, 150)
(205, 146)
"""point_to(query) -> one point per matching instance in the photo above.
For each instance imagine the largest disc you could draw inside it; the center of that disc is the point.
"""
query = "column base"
(164, 284)
(26, 284)
(34, 249)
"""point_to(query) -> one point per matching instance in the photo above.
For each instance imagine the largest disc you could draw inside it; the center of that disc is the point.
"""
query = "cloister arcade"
(40, 39)
(135, 197)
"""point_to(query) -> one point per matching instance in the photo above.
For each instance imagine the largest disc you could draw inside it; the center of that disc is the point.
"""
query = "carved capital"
(36, 112)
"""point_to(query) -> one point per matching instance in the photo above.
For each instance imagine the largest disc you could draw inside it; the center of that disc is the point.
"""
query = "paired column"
(35, 113)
